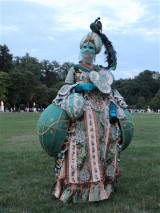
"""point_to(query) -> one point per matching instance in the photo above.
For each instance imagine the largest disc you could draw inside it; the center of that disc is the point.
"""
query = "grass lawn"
(27, 171)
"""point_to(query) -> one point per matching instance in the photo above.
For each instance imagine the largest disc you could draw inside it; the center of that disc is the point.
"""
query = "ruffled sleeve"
(70, 76)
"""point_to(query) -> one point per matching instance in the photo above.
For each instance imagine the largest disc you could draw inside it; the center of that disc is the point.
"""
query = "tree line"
(26, 80)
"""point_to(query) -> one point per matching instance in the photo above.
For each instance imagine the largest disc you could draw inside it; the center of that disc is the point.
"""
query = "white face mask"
(87, 53)
(88, 57)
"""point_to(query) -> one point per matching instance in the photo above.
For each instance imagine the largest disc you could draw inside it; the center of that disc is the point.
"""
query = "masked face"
(88, 47)
(88, 52)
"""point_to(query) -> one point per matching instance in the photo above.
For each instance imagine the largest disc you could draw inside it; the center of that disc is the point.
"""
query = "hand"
(85, 87)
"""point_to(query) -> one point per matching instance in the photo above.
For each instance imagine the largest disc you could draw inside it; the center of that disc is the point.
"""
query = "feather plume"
(110, 53)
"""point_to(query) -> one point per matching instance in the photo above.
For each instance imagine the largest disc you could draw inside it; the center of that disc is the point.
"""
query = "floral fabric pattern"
(87, 167)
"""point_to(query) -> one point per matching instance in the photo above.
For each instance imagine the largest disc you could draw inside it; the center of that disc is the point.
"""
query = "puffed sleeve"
(70, 76)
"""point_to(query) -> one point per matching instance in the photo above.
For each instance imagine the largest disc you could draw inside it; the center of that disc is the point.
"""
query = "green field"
(27, 171)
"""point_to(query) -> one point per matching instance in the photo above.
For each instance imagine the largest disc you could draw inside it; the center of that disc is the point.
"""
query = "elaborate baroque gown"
(87, 166)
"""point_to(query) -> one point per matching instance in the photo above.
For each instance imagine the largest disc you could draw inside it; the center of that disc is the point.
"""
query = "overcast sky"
(53, 29)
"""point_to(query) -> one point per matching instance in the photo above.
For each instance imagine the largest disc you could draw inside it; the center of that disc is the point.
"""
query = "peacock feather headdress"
(110, 53)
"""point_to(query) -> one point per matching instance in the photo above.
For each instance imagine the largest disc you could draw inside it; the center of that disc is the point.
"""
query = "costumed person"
(86, 166)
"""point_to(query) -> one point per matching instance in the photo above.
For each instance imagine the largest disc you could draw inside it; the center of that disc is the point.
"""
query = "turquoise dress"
(87, 166)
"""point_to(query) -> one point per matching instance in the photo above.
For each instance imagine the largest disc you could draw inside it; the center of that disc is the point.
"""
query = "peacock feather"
(110, 53)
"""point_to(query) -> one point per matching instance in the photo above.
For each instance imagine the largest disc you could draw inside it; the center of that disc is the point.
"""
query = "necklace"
(89, 67)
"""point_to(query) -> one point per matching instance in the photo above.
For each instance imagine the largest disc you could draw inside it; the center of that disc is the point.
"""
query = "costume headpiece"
(93, 38)
(110, 53)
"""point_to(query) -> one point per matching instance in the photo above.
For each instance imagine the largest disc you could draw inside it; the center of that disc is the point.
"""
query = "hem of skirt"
(77, 193)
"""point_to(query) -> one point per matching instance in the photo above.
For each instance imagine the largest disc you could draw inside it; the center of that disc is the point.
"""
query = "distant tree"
(52, 92)
(141, 103)
(140, 90)
(155, 102)
(29, 88)
(147, 85)
(16, 89)
(29, 81)
(128, 89)
(41, 96)
(4, 85)
(22, 87)
(63, 70)
(28, 63)
(49, 76)
(6, 63)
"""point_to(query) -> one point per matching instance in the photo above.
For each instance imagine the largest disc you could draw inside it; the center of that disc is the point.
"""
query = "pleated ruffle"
(77, 193)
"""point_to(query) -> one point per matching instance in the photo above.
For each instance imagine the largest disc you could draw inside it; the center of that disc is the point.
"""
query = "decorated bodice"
(79, 74)
(82, 76)
(102, 79)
